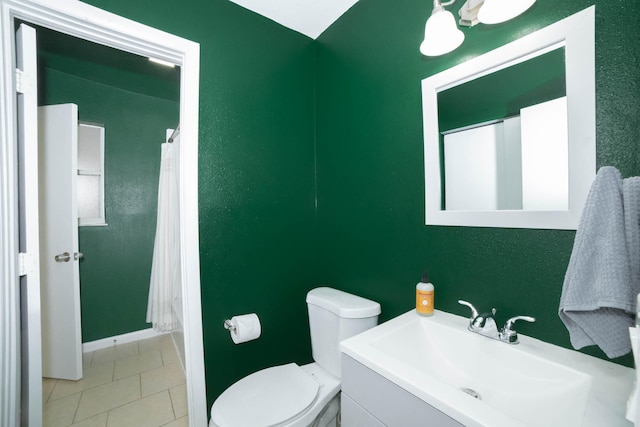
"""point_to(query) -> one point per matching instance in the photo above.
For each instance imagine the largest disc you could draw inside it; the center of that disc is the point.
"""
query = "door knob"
(63, 257)
(77, 255)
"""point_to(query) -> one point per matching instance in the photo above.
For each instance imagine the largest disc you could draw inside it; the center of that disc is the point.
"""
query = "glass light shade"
(441, 34)
(497, 11)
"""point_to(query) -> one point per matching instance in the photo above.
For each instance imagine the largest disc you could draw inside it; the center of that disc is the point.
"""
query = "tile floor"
(138, 384)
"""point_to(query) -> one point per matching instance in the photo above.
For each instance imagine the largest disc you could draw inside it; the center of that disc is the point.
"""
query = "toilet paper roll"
(246, 328)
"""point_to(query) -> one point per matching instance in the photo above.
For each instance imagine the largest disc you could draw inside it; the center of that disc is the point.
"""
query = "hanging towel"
(598, 299)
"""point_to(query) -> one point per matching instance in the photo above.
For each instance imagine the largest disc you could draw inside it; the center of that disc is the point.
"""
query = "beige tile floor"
(138, 384)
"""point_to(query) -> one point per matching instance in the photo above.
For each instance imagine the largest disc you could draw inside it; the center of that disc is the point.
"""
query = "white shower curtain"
(165, 268)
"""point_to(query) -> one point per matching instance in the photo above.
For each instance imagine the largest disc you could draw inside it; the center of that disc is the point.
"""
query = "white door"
(26, 87)
(59, 255)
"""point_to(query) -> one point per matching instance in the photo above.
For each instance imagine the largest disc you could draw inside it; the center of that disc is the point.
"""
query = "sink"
(483, 382)
(500, 376)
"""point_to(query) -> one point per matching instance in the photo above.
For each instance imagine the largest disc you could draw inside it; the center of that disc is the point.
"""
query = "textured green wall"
(256, 178)
(116, 267)
(372, 237)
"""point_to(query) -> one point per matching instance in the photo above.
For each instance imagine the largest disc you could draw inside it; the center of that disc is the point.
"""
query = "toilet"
(300, 396)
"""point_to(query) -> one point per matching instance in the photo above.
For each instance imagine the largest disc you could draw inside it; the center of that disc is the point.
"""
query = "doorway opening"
(123, 104)
(105, 29)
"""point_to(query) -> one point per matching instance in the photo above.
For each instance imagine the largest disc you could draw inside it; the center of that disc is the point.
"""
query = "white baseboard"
(119, 339)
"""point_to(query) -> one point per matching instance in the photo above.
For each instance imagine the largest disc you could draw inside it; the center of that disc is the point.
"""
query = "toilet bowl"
(283, 396)
(300, 396)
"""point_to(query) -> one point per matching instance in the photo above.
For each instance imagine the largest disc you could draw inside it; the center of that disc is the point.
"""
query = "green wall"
(116, 267)
(256, 178)
(372, 237)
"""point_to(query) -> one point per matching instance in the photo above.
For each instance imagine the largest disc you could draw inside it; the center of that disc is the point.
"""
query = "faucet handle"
(474, 312)
(508, 333)
(509, 323)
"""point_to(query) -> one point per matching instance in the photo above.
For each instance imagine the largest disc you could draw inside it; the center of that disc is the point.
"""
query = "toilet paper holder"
(243, 328)
(229, 326)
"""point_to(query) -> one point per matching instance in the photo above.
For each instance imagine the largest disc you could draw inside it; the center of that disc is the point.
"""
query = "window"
(91, 174)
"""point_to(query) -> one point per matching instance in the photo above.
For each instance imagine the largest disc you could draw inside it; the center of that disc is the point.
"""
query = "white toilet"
(300, 396)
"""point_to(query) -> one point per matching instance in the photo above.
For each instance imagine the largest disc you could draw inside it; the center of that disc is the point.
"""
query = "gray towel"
(598, 299)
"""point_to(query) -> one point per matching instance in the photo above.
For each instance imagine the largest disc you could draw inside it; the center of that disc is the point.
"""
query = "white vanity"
(431, 371)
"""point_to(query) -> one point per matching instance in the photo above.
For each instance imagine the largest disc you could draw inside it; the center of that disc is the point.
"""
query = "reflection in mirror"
(520, 162)
(500, 126)
(510, 135)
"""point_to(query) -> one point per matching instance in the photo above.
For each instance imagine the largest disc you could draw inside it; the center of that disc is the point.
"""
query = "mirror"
(492, 155)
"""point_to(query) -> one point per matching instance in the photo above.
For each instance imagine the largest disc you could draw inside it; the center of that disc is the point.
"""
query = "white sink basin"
(483, 382)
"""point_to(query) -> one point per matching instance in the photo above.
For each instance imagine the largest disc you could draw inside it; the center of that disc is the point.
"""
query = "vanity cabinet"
(370, 400)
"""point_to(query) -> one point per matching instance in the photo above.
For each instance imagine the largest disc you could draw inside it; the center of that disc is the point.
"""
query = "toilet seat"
(268, 398)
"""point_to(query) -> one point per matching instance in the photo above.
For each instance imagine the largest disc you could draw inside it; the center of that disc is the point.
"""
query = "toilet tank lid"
(342, 303)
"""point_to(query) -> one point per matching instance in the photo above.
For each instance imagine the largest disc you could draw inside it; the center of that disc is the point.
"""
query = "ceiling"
(309, 17)
(109, 66)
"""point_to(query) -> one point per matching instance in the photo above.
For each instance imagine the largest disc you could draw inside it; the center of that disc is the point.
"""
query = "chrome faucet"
(485, 324)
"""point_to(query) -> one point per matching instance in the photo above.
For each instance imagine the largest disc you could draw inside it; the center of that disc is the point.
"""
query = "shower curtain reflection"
(165, 284)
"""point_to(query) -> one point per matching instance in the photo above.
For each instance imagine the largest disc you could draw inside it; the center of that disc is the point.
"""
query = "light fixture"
(441, 34)
(162, 62)
(469, 13)
(497, 11)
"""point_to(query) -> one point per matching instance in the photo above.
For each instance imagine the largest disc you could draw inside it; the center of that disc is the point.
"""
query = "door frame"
(90, 23)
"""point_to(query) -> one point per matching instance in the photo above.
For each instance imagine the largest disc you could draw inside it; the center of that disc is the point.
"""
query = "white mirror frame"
(577, 34)
(90, 23)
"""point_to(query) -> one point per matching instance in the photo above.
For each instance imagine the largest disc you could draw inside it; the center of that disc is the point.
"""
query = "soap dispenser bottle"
(424, 296)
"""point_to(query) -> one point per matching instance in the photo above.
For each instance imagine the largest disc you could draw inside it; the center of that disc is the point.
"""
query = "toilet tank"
(335, 316)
